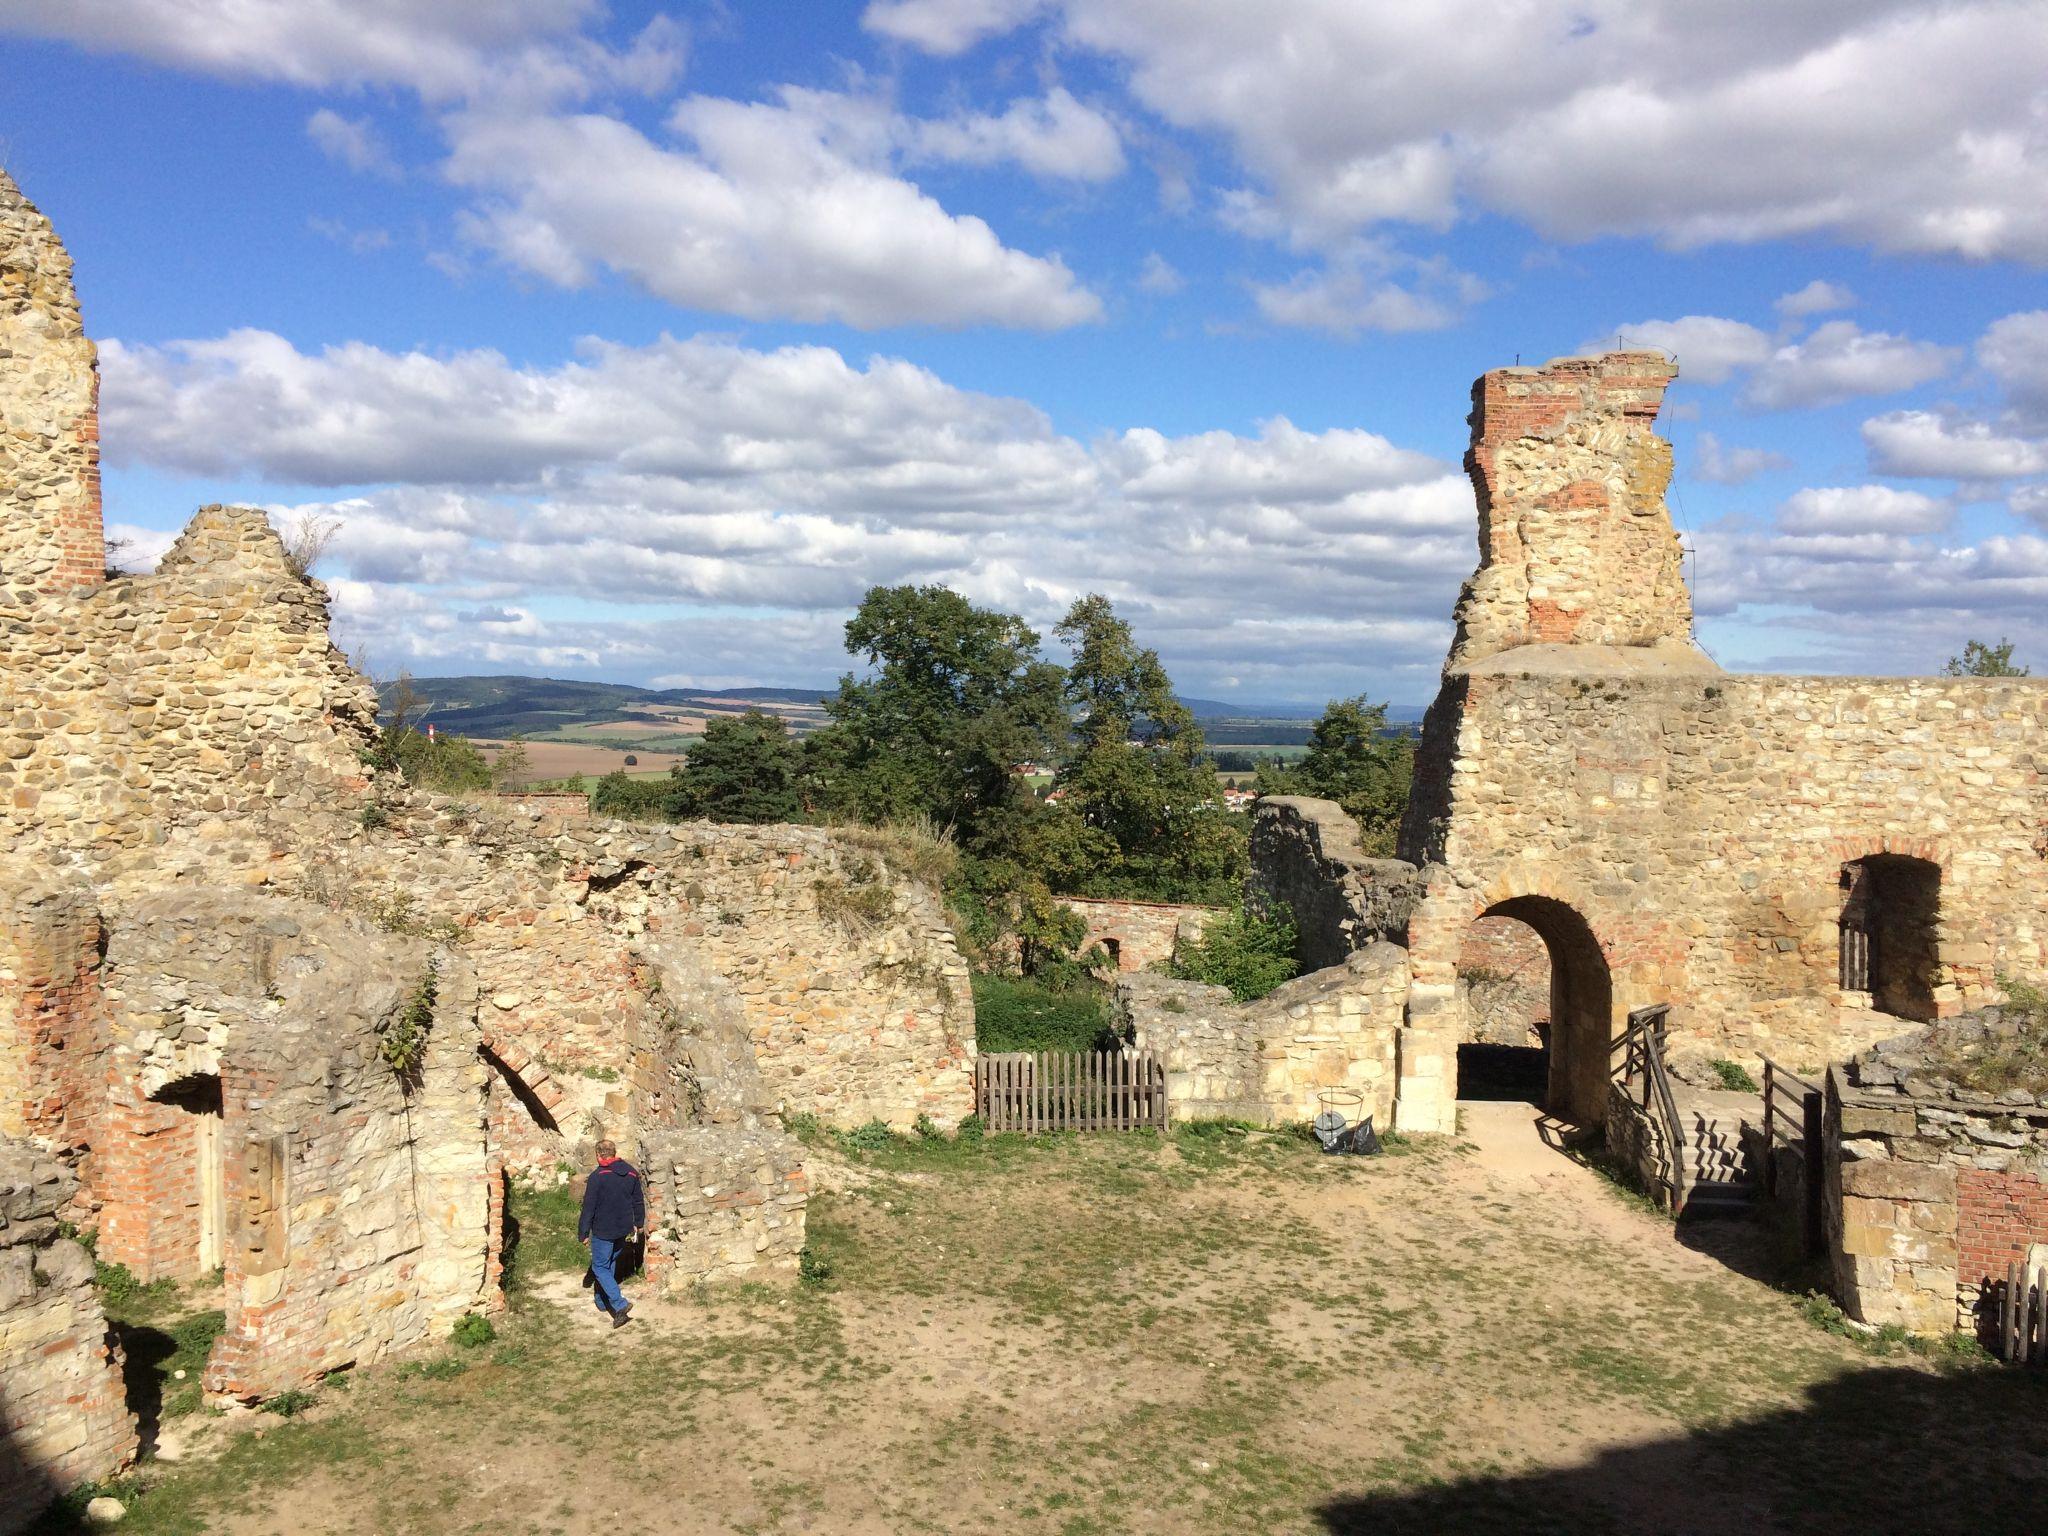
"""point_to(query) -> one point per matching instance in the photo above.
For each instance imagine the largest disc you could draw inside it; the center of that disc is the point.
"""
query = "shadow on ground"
(1878, 1451)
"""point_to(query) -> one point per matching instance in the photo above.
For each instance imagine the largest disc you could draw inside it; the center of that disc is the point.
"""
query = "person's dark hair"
(607, 1149)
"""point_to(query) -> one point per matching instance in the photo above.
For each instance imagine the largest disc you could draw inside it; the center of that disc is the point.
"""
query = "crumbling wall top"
(1575, 544)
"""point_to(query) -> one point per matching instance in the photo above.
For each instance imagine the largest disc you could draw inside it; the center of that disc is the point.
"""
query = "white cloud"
(1862, 509)
(2015, 351)
(636, 483)
(445, 50)
(1345, 302)
(785, 210)
(2031, 502)
(351, 141)
(1056, 136)
(1840, 361)
(947, 27)
(1928, 445)
(1158, 276)
(1918, 125)
(1816, 298)
(1708, 349)
(1720, 465)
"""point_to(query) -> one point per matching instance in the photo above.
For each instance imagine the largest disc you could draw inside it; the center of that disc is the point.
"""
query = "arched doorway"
(1581, 1031)
(1891, 906)
(1504, 1006)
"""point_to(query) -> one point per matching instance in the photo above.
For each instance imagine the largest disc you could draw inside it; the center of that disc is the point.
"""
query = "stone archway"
(1581, 1006)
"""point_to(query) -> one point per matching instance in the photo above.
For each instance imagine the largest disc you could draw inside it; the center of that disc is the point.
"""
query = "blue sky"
(636, 342)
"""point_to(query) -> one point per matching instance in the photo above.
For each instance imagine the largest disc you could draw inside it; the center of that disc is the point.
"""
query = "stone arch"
(1581, 1003)
(1890, 924)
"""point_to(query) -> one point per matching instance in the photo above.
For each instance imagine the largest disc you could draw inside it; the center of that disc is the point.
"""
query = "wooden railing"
(1643, 1069)
(1792, 1111)
(1033, 1091)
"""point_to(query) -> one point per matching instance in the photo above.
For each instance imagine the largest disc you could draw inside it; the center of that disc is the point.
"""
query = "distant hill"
(613, 718)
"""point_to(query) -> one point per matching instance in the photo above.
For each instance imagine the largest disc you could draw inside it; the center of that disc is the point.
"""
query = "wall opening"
(1890, 947)
(205, 1174)
(1580, 1033)
(1504, 1001)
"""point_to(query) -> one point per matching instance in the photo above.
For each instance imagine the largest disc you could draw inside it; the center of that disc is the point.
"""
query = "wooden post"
(1816, 1201)
(1770, 1131)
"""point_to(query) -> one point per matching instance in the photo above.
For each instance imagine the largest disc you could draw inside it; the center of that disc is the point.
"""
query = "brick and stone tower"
(51, 540)
(1575, 545)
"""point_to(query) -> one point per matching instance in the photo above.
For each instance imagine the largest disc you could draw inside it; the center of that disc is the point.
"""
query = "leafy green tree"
(630, 799)
(956, 697)
(1981, 660)
(1244, 950)
(1139, 774)
(745, 769)
(511, 766)
(1354, 760)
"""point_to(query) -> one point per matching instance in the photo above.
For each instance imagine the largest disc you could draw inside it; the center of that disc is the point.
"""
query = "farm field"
(549, 761)
(1205, 1331)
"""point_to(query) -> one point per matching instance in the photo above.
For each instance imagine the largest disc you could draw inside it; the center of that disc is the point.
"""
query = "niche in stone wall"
(1890, 933)
(202, 1172)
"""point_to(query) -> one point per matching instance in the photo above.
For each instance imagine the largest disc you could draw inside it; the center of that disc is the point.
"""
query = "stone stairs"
(1718, 1166)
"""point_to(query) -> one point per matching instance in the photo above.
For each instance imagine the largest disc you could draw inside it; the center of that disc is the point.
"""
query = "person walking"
(614, 1211)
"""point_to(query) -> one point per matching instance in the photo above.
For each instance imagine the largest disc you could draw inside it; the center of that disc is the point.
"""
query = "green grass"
(1014, 1013)
(540, 1224)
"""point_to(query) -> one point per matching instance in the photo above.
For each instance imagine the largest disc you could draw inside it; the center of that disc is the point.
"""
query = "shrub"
(1734, 1076)
(473, 1330)
(404, 1042)
(1244, 950)
(971, 1129)
(1014, 1013)
(289, 1405)
(858, 908)
(872, 1137)
(928, 1129)
(812, 1267)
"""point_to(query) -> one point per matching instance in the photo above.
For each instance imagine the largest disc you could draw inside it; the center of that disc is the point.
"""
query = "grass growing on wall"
(1013, 1013)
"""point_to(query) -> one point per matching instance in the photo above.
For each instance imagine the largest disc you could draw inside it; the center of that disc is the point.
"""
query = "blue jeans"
(604, 1269)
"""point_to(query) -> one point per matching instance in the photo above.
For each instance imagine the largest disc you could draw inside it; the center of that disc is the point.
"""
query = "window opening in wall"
(200, 1097)
(1890, 939)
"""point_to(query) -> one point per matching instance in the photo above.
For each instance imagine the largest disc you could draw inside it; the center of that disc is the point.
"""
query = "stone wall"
(1307, 858)
(1138, 935)
(1932, 1189)
(50, 537)
(352, 1199)
(1673, 833)
(1504, 983)
(723, 1206)
(1268, 1060)
(63, 1417)
(1574, 543)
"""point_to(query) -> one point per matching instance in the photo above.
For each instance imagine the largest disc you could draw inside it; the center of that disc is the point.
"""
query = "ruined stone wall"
(1574, 543)
(1700, 824)
(63, 1417)
(1504, 983)
(52, 1040)
(723, 1206)
(1932, 1189)
(50, 538)
(1142, 935)
(1307, 858)
(1268, 1060)
(356, 1196)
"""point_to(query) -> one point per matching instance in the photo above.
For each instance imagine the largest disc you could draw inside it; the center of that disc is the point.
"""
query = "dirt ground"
(1207, 1332)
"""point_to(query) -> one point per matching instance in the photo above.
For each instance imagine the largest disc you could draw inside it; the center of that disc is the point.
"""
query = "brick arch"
(1848, 850)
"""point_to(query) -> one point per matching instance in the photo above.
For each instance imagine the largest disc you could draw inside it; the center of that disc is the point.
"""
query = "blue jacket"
(613, 1203)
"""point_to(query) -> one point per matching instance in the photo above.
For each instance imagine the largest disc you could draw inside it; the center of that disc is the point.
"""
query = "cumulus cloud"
(1862, 509)
(445, 50)
(636, 484)
(2015, 351)
(1816, 298)
(1346, 302)
(784, 210)
(351, 141)
(1932, 445)
(1840, 361)
(1055, 136)
(1919, 124)
(1719, 465)
(1708, 349)
(1158, 276)
(947, 27)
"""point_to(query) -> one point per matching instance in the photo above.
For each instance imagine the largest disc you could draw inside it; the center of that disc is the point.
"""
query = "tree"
(1139, 775)
(427, 760)
(1244, 950)
(1981, 660)
(957, 696)
(1355, 760)
(745, 769)
(511, 766)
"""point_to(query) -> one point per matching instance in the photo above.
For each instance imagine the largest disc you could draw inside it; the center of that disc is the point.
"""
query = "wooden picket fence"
(1034, 1091)
(2023, 1315)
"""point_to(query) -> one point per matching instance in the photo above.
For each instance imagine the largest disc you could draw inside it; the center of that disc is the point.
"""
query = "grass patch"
(1733, 1076)
(540, 1233)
